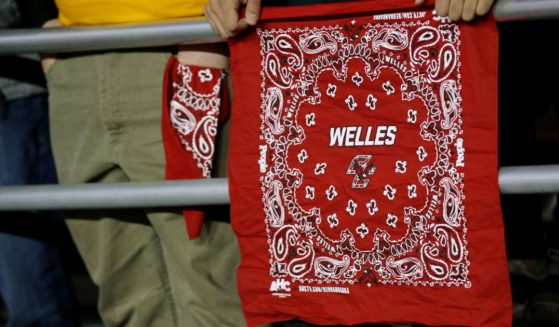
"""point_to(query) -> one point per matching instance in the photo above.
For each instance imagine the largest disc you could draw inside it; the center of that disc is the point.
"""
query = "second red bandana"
(192, 107)
(364, 173)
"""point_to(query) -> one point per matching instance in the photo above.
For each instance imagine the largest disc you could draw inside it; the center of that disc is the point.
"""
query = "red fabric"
(191, 110)
(363, 169)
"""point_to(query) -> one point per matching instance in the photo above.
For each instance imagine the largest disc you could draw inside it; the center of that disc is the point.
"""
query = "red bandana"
(191, 110)
(364, 170)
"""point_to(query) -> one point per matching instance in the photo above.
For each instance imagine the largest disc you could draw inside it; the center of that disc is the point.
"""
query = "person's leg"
(33, 282)
(18, 143)
(202, 271)
(122, 251)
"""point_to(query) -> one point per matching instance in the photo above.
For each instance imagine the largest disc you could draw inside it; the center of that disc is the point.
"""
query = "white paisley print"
(194, 115)
(374, 220)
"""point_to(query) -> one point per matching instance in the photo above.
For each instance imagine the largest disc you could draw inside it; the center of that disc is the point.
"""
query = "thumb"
(252, 12)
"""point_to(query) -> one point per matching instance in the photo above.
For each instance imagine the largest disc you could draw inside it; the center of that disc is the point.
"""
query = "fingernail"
(251, 18)
(418, 2)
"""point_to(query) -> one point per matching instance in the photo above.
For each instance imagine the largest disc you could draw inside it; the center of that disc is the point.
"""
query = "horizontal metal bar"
(512, 10)
(525, 179)
(75, 39)
(115, 195)
(529, 179)
(192, 31)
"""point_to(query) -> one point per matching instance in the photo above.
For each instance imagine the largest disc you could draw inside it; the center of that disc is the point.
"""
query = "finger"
(455, 9)
(210, 20)
(46, 62)
(215, 22)
(418, 2)
(226, 19)
(231, 16)
(216, 7)
(469, 11)
(52, 23)
(441, 6)
(252, 12)
(241, 26)
(483, 7)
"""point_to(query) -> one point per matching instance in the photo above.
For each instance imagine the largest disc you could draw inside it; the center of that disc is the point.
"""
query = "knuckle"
(454, 16)
(230, 27)
(231, 24)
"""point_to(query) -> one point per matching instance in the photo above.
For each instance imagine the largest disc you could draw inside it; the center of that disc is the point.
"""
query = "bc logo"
(361, 166)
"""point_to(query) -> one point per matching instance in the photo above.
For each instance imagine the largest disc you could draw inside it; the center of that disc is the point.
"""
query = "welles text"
(362, 135)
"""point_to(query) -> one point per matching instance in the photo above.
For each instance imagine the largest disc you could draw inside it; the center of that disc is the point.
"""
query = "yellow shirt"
(98, 12)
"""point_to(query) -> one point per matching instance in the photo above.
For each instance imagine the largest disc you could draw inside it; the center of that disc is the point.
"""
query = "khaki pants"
(105, 121)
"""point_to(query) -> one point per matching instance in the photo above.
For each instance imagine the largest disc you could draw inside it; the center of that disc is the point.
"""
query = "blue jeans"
(33, 283)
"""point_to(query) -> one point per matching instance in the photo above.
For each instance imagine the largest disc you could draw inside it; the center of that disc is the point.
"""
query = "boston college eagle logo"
(361, 166)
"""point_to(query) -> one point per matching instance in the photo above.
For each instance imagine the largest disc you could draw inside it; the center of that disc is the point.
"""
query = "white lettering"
(368, 141)
(348, 136)
(323, 289)
(461, 151)
(280, 284)
(379, 139)
(398, 16)
(337, 135)
(262, 160)
(391, 135)
(358, 142)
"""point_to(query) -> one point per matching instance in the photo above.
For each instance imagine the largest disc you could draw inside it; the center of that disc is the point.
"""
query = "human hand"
(223, 15)
(461, 9)
(48, 59)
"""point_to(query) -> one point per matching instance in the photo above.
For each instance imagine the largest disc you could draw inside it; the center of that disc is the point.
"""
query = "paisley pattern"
(306, 70)
(194, 115)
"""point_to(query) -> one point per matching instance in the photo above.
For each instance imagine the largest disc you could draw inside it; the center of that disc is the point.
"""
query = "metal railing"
(527, 179)
(511, 10)
(193, 31)
(116, 195)
(75, 39)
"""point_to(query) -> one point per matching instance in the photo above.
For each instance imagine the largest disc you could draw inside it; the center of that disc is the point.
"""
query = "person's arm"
(461, 9)
(224, 17)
